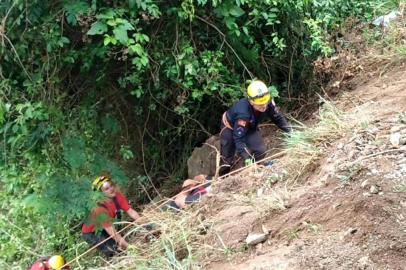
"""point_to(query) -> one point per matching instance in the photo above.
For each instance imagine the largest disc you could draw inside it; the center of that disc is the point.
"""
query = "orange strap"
(225, 121)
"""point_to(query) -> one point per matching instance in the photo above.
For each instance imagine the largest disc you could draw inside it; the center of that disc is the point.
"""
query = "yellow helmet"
(56, 262)
(258, 93)
(99, 181)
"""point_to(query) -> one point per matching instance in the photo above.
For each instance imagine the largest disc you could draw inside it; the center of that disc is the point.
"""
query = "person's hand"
(248, 162)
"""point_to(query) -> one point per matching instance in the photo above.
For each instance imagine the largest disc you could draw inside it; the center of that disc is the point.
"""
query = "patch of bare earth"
(350, 214)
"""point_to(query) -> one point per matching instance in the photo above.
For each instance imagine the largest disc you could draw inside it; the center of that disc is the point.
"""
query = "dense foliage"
(130, 87)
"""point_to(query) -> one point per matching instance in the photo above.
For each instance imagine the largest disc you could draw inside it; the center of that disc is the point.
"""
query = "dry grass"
(305, 145)
(170, 245)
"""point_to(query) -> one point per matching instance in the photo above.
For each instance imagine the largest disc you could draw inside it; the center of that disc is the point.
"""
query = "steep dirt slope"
(350, 214)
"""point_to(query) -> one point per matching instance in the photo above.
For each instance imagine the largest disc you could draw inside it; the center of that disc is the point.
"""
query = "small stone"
(374, 130)
(366, 194)
(364, 183)
(260, 192)
(350, 231)
(265, 230)
(335, 206)
(340, 146)
(403, 203)
(380, 193)
(395, 139)
(255, 238)
(364, 262)
(374, 189)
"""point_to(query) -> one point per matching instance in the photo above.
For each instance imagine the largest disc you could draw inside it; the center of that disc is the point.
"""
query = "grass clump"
(169, 245)
(305, 145)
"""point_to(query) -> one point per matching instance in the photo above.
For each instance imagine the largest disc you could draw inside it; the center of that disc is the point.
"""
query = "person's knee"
(260, 151)
(224, 169)
(109, 248)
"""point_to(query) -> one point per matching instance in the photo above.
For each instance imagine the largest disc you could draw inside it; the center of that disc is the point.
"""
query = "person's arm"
(278, 118)
(133, 214)
(117, 237)
(239, 135)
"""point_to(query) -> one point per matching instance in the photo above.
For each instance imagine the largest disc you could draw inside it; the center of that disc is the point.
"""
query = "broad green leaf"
(136, 49)
(108, 14)
(236, 11)
(120, 33)
(97, 28)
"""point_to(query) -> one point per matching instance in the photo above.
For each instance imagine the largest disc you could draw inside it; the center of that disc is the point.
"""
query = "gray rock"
(256, 238)
(364, 183)
(364, 262)
(395, 139)
(203, 159)
(260, 192)
(374, 189)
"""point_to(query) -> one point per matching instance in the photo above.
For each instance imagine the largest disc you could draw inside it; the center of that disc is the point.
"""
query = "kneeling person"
(239, 126)
(99, 225)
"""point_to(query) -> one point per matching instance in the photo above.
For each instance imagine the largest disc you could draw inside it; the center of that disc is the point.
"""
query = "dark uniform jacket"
(243, 119)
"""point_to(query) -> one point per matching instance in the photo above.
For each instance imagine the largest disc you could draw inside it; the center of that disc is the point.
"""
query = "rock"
(395, 139)
(256, 238)
(203, 159)
(265, 229)
(350, 231)
(364, 183)
(260, 192)
(374, 130)
(364, 262)
(335, 206)
(374, 189)
(374, 172)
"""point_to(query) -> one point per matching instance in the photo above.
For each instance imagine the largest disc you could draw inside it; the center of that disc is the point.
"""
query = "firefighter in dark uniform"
(239, 126)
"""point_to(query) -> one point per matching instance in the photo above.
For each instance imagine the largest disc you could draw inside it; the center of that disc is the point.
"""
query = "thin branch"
(228, 44)
(216, 175)
(143, 155)
(18, 57)
(377, 154)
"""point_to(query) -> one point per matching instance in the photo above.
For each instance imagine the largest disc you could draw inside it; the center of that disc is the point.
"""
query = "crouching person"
(99, 225)
(192, 191)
